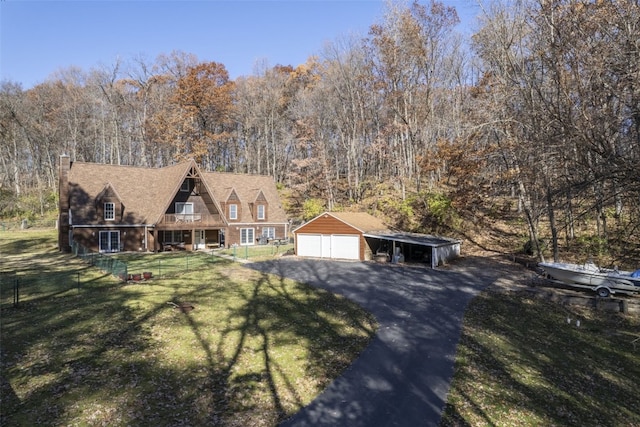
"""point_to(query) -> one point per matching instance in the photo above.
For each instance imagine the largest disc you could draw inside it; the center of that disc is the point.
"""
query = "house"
(112, 208)
(361, 236)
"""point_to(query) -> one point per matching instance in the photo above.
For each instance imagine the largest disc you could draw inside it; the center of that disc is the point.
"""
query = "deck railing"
(200, 218)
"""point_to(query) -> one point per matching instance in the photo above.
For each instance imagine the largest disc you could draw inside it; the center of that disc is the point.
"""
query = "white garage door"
(345, 246)
(329, 246)
(309, 245)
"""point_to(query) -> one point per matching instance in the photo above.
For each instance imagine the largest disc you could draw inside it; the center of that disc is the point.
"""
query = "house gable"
(233, 206)
(327, 223)
(109, 205)
(191, 189)
(260, 207)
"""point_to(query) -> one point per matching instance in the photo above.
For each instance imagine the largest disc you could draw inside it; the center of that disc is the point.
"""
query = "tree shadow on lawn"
(283, 320)
(27, 244)
(94, 357)
(58, 351)
(539, 369)
(38, 280)
(287, 344)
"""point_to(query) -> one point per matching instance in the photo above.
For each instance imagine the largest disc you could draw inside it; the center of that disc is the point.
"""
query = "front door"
(199, 240)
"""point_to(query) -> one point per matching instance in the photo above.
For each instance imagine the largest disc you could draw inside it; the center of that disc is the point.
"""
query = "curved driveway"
(402, 377)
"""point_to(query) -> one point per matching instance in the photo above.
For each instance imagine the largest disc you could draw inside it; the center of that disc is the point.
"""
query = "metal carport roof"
(441, 248)
(415, 238)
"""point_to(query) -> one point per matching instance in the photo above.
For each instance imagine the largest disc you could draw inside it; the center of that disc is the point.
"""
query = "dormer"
(109, 206)
(259, 207)
(233, 209)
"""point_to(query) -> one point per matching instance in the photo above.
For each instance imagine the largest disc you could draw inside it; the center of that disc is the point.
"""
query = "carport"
(414, 247)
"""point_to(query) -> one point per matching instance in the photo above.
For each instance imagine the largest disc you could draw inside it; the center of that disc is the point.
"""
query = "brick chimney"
(63, 193)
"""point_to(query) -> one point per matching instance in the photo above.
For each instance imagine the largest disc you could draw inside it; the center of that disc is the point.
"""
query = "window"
(184, 211)
(184, 208)
(233, 211)
(109, 211)
(247, 236)
(261, 210)
(109, 241)
(172, 236)
(185, 186)
(269, 232)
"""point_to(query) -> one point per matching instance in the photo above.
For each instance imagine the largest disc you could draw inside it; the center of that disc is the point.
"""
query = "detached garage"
(337, 235)
(360, 236)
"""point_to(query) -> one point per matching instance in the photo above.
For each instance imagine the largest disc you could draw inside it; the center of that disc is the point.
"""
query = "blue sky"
(38, 38)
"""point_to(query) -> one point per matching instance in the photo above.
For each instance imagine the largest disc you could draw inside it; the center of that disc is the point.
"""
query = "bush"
(311, 208)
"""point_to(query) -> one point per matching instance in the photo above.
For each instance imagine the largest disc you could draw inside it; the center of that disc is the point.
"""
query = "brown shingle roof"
(147, 192)
(363, 221)
(247, 187)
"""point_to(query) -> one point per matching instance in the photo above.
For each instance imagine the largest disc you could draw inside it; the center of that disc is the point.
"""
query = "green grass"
(257, 252)
(520, 363)
(168, 264)
(31, 257)
(255, 349)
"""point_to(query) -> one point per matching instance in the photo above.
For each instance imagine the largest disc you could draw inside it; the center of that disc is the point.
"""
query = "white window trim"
(183, 205)
(113, 211)
(109, 233)
(233, 211)
(251, 241)
(262, 210)
(266, 232)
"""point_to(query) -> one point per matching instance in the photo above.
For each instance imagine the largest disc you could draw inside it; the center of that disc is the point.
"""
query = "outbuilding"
(361, 236)
(338, 235)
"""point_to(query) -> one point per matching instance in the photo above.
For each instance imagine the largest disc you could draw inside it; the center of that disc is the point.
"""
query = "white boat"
(603, 281)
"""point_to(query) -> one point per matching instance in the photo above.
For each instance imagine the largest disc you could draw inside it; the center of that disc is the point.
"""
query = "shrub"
(312, 208)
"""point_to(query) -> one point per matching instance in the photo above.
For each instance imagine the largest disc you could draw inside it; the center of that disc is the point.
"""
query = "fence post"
(16, 292)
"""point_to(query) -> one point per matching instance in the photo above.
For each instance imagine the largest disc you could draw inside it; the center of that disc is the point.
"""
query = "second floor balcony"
(199, 218)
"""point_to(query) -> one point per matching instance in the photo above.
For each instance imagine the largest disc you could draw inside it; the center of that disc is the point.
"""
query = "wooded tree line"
(540, 107)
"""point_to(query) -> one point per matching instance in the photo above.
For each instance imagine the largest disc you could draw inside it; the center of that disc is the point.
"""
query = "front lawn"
(523, 361)
(253, 350)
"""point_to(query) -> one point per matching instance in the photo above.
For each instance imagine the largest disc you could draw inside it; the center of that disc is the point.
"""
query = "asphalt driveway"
(402, 377)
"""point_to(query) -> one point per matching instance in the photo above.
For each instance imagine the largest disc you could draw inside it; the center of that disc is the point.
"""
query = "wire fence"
(31, 284)
(106, 263)
(165, 264)
(20, 287)
(257, 252)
